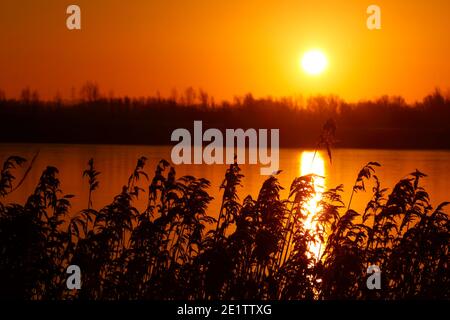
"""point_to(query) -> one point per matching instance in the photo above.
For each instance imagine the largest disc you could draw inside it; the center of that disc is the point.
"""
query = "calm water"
(116, 163)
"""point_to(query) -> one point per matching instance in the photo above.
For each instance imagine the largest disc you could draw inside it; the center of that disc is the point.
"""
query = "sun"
(314, 62)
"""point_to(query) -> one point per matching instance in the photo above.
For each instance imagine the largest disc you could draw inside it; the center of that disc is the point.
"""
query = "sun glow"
(314, 62)
(313, 163)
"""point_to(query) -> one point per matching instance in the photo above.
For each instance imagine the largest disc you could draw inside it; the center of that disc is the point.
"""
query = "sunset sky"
(228, 48)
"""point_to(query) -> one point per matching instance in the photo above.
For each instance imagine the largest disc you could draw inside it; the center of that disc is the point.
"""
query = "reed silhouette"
(255, 248)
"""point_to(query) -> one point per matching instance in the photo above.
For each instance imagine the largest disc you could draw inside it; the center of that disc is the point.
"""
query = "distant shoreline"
(386, 123)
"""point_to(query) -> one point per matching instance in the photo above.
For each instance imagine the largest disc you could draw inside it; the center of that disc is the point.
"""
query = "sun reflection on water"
(313, 163)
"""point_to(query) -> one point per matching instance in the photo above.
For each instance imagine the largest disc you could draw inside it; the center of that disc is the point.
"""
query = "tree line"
(91, 117)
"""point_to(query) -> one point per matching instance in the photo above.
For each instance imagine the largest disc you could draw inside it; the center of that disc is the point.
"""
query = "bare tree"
(90, 92)
(190, 96)
(204, 97)
(29, 96)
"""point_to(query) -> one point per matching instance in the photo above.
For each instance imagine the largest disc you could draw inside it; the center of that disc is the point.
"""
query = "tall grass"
(254, 249)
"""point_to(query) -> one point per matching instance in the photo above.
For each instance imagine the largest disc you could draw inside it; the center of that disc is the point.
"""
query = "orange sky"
(228, 48)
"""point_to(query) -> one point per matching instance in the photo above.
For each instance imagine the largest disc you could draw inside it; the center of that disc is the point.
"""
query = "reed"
(255, 248)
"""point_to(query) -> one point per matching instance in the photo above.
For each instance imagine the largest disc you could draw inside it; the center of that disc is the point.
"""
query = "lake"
(116, 162)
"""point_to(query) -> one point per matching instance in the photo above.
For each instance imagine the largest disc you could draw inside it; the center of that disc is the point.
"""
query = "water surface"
(116, 162)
